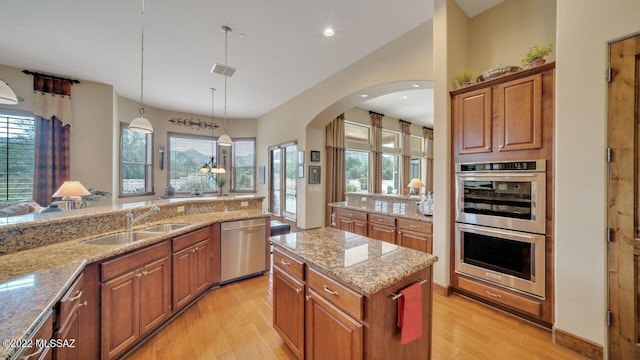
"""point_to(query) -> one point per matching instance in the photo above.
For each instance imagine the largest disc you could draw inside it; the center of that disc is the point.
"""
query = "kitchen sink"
(119, 238)
(163, 227)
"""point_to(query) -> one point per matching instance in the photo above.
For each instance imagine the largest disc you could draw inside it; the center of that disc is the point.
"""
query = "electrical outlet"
(180, 208)
(244, 203)
(364, 198)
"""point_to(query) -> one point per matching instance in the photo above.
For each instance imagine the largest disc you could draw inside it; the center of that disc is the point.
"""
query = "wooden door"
(288, 310)
(415, 241)
(381, 232)
(472, 116)
(182, 283)
(120, 314)
(359, 227)
(155, 294)
(201, 267)
(520, 114)
(624, 248)
(71, 335)
(331, 333)
(343, 223)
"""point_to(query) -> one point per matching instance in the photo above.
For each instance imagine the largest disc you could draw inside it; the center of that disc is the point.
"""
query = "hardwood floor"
(234, 322)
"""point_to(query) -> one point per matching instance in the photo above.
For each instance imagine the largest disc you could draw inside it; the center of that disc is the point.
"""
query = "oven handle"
(499, 176)
(505, 233)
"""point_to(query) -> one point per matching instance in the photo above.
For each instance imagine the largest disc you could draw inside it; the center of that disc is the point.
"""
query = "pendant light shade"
(224, 140)
(141, 124)
(7, 96)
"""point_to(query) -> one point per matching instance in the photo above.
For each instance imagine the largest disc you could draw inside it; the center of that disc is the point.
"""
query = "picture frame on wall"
(262, 178)
(314, 174)
(300, 156)
(315, 156)
(301, 170)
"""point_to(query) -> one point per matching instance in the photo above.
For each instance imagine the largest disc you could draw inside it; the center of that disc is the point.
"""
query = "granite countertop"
(367, 264)
(383, 208)
(32, 281)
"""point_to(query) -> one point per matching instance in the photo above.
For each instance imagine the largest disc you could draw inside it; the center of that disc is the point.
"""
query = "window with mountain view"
(136, 167)
(187, 154)
(243, 165)
(17, 153)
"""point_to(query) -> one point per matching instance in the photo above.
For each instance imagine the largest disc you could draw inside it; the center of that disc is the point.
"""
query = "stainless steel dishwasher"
(242, 249)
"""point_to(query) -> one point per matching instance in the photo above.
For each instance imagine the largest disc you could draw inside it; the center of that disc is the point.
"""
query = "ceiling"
(277, 47)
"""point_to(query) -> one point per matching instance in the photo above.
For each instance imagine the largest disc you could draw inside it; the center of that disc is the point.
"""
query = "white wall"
(406, 58)
(584, 28)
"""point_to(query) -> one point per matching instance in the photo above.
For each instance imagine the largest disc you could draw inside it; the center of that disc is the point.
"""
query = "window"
(136, 165)
(414, 168)
(187, 154)
(243, 165)
(416, 146)
(356, 133)
(17, 153)
(390, 139)
(356, 171)
(390, 166)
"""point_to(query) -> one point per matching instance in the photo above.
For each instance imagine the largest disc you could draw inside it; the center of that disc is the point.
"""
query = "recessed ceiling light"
(404, 97)
(416, 85)
(364, 95)
(328, 32)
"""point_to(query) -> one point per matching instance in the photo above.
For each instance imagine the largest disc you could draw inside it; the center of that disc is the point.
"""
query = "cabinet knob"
(82, 304)
(298, 290)
(139, 275)
(145, 273)
(307, 297)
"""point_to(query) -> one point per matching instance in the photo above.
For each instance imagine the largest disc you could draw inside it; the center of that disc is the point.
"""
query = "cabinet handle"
(82, 304)
(326, 289)
(76, 297)
(381, 220)
(350, 215)
(285, 263)
(413, 226)
(307, 297)
(493, 295)
(145, 273)
(40, 349)
(298, 290)
(139, 275)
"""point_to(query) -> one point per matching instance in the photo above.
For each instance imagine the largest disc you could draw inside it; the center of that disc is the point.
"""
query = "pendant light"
(224, 139)
(7, 96)
(141, 124)
(212, 167)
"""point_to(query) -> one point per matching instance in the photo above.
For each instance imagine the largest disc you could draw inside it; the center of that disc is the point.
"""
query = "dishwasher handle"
(242, 227)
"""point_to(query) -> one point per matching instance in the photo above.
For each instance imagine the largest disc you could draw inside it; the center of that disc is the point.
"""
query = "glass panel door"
(291, 166)
(276, 183)
(283, 181)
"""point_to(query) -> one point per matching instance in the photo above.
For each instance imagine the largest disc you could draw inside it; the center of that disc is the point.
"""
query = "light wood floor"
(234, 322)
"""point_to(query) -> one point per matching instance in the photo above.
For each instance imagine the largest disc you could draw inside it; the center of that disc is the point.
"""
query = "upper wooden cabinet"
(506, 118)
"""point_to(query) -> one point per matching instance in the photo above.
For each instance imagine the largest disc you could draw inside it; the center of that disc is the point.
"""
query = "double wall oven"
(500, 223)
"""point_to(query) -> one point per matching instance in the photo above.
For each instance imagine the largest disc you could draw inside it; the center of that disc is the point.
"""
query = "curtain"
(376, 152)
(334, 133)
(428, 150)
(405, 177)
(52, 107)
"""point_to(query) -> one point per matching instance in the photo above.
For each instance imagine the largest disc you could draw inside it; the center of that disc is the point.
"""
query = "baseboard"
(577, 344)
(444, 291)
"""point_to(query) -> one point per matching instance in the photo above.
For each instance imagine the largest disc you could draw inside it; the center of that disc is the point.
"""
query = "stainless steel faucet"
(131, 220)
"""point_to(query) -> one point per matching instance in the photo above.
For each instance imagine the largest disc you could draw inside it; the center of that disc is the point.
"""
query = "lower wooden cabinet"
(288, 310)
(44, 330)
(331, 333)
(68, 314)
(136, 297)
(415, 235)
(351, 221)
(381, 232)
(192, 266)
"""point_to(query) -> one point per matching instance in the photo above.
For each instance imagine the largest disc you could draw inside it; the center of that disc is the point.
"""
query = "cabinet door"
(416, 241)
(201, 267)
(343, 223)
(288, 310)
(155, 294)
(70, 333)
(120, 314)
(520, 114)
(472, 114)
(330, 333)
(359, 227)
(384, 233)
(182, 283)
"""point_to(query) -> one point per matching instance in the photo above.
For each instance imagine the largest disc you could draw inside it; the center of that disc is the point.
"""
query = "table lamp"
(71, 190)
(414, 184)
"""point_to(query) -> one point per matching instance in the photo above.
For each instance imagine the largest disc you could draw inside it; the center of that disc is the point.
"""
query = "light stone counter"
(367, 264)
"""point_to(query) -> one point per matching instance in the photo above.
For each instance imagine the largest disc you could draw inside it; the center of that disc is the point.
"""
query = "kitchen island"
(336, 292)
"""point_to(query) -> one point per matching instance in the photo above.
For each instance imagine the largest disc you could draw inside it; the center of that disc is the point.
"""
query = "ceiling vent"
(221, 69)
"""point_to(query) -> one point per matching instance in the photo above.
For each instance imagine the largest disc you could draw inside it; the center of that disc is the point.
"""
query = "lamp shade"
(224, 140)
(141, 125)
(416, 183)
(71, 188)
(7, 96)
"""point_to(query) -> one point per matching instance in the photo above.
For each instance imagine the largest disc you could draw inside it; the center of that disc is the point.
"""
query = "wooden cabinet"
(415, 235)
(43, 331)
(288, 305)
(382, 227)
(351, 221)
(472, 114)
(520, 114)
(135, 296)
(192, 266)
(68, 314)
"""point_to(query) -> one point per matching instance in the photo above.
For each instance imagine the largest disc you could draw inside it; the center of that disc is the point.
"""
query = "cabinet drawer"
(44, 330)
(413, 225)
(350, 214)
(288, 264)
(382, 220)
(500, 296)
(134, 260)
(69, 301)
(346, 299)
(189, 239)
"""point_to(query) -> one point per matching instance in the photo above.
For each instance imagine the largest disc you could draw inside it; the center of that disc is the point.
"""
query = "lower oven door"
(512, 259)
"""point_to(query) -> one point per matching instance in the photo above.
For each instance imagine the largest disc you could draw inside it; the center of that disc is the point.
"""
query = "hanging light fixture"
(212, 167)
(141, 124)
(7, 96)
(226, 71)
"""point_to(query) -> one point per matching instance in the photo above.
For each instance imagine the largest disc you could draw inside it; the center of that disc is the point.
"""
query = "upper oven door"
(513, 201)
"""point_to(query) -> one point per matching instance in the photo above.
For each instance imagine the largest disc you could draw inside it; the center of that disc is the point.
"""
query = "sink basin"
(119, 238)
(163, 227)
